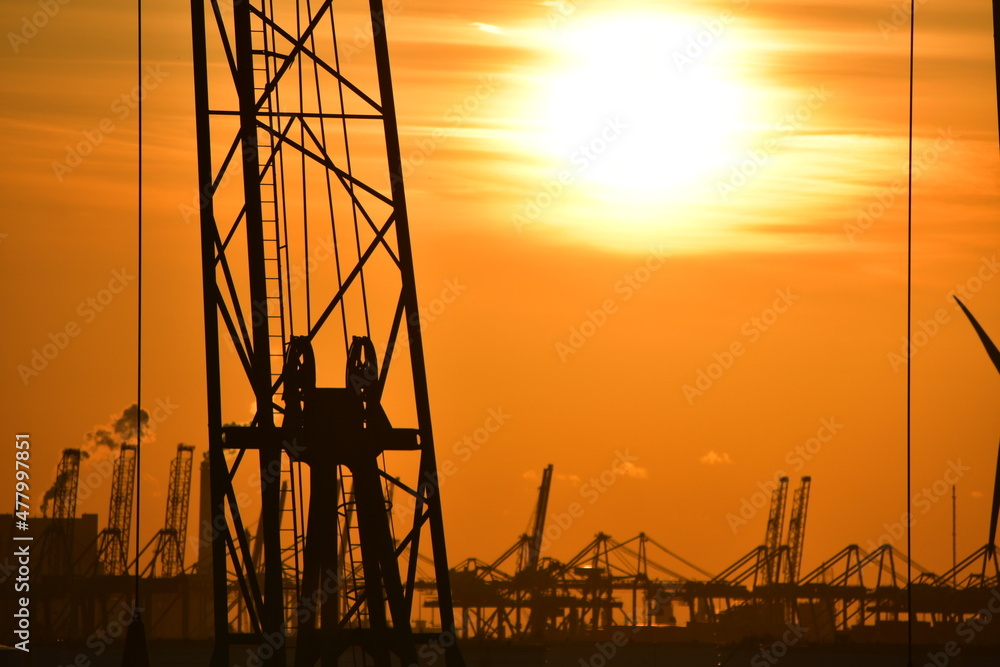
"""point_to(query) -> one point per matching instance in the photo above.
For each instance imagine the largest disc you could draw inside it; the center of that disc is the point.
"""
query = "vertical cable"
(138, 365)
(350, 183)
(302, 156)
(909, 365)
(954, 538)
(329, 189)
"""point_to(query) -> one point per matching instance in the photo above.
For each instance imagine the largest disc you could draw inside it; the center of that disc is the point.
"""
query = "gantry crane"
(797, 530)
(63, 493)
(171, 539)
(534, 583)
(56, 542)
(775, 528)
(113, 541)
(982, 568)
(309, 283)
(532, 544)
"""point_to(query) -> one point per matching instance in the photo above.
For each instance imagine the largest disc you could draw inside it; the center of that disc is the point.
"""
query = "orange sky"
(656, 229)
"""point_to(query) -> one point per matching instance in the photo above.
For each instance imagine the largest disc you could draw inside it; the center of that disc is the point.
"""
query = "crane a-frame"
(311, 317)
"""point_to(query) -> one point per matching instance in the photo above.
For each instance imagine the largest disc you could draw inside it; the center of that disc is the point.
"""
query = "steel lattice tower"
(66, 486)
(112, 545)
(775, 528)
(309, 289)
(56, 543)
(797, 531)
(172, 538)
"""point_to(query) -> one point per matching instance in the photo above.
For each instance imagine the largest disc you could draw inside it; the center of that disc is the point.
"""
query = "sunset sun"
(597, 333)
(638, 106)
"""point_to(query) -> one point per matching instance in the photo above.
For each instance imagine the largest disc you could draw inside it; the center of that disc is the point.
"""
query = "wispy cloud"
(712, 458)
(490, 28)
(630, 469)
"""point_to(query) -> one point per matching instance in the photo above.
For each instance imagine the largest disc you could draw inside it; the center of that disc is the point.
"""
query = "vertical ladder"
(290, 531)
(268, 162)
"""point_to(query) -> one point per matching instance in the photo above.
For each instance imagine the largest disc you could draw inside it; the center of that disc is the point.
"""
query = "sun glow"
(641, 105)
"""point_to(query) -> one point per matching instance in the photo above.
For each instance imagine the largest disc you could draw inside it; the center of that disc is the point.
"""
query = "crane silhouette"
(989, 551)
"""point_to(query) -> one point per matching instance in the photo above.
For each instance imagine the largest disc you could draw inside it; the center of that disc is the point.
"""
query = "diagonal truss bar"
(350, 277)
(226, 45)
(225, 163)
(390, 345)
(238, 310)
(354, 198)
(323, 160)
(299, 45)
(234, 334)
(335, 301)
(241, 580)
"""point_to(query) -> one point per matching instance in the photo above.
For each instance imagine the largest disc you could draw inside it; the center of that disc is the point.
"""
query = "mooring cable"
(909, 364)
(138, 366)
